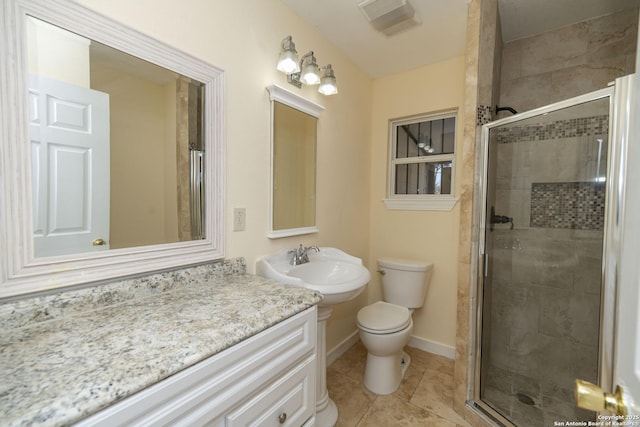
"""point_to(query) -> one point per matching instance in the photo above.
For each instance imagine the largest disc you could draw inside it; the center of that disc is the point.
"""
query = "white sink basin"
(337, 275)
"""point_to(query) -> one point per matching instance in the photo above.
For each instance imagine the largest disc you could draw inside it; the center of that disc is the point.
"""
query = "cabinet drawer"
(290, 401)
(208, 390)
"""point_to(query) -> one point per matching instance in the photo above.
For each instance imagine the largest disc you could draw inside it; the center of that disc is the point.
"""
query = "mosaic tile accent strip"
(583, 126)
(574, 205)
(483, 115)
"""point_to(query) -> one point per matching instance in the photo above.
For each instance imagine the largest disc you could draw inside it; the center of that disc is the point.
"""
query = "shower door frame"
(616, 160)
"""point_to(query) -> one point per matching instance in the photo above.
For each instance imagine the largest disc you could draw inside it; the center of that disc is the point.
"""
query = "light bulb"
(288, 62)
(328, 84)
(288, 58)
(309, 74)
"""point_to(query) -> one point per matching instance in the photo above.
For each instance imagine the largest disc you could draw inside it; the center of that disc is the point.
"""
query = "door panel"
(69, 129)
(69, 195)
(543, 233)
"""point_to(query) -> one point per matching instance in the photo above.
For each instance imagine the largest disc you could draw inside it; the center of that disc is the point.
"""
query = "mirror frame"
(22, 273)
(283, 96)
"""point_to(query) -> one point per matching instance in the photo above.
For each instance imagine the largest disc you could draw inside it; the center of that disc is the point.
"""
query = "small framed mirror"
(112, 150)
(294, 122)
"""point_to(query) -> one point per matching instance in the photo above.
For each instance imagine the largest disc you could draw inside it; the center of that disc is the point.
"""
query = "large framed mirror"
(111, 150)
(294, 122)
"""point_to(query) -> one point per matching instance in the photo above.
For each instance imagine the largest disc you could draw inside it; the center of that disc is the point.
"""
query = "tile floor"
(425, 397)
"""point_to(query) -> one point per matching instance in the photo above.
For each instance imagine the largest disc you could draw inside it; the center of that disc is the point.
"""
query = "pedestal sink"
(339, 277)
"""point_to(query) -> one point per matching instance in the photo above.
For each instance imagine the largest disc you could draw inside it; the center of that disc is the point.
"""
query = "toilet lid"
(382, 317)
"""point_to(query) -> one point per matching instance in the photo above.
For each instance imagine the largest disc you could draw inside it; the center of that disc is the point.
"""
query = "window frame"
(437, 202)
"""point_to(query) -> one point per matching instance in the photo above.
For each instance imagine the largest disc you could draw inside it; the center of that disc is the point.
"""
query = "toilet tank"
(405, 282)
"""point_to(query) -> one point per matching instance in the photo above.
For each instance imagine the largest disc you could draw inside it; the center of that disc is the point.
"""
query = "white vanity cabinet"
(266, 380)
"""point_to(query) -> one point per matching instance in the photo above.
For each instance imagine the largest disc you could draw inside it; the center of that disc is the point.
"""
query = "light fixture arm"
(288, 44)
(307, 56)
(294, 79)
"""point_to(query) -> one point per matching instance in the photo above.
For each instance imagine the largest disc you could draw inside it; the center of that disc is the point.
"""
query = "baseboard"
(416, 342)
(433, 347)
(341, 348)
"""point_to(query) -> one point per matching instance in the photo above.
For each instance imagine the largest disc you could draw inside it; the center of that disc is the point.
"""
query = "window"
(421, 169)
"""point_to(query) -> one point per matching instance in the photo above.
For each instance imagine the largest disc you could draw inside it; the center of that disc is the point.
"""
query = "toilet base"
(383, 375)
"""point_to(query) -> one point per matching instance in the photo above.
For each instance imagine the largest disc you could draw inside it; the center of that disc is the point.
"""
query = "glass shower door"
(543, 261)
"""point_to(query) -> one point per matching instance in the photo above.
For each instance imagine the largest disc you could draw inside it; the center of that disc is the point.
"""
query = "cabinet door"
(205, 393)
(290, 401)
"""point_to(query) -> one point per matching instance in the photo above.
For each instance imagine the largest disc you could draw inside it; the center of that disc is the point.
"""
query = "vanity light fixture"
(306, 70)
(425, 143)
(288, 59)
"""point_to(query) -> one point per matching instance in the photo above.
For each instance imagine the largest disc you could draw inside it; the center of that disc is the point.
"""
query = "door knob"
(590, 396)
(99, 242)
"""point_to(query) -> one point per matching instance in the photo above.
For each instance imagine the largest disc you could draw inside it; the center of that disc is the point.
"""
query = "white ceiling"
(441, 35)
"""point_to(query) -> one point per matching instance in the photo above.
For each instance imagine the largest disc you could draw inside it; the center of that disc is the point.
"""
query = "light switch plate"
(239, 219)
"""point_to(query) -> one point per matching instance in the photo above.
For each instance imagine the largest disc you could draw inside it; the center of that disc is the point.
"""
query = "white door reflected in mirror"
(112, 141)
(165, 114)
(69, 129)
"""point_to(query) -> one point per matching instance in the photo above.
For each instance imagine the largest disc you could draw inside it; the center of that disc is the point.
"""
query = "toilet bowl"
(384, 331)
(385, 327)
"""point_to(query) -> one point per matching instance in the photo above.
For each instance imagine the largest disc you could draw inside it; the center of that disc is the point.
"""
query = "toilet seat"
(383, 318)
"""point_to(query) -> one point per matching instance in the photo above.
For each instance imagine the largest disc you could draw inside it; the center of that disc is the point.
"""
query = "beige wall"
(57, 54)
(294, 168)
(244, 41)
(424, 235)
(140, 210)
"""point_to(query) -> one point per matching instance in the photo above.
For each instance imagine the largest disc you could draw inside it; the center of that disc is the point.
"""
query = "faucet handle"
(297, 255)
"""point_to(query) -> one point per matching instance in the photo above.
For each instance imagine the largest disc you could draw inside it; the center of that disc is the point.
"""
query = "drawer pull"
(282, 418)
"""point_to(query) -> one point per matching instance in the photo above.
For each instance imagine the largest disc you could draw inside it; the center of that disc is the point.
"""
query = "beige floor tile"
(409, 383)
(351, 398)
(356, 355)
(435, 394)
(430, 361)
(389, 411)
(424, 398)
(352, 362)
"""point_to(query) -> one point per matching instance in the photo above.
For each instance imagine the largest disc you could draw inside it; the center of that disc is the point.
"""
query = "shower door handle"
(591, 397)
(483, 264)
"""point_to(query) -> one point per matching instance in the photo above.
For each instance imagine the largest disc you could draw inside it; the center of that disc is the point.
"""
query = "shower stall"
(543, 298)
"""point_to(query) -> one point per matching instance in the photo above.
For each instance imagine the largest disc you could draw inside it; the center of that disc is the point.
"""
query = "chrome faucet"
(300, 255)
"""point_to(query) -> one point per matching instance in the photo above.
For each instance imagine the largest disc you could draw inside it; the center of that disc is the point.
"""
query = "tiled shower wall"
(547, 306)
(567, 62)
(545, 284)
(534, 154)
(546, 303)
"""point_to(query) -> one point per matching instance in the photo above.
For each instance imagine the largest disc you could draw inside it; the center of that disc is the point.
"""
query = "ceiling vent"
(389, 16)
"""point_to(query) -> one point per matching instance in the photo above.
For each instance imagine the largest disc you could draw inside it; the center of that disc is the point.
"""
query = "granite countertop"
(62, 359)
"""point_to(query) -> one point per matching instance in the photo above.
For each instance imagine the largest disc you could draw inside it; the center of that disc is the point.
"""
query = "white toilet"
(386, 326)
